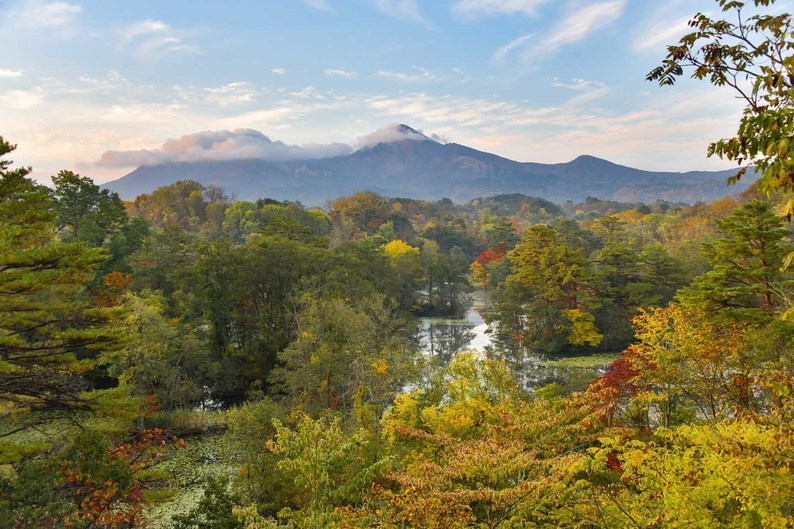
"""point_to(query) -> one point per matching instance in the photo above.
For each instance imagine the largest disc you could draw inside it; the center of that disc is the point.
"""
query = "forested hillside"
(266, 354)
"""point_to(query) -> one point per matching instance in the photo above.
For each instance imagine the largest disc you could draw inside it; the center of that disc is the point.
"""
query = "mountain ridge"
(413, 165)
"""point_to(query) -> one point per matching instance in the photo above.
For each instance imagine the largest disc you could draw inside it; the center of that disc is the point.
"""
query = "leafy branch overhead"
(753, 56)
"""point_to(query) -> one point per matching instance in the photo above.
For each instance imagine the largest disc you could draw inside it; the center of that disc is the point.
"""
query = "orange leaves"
(471, 481)
(494, 255)
(683, 363)
(100, 479)
(145, 451)
(479, 268)
(114, 284)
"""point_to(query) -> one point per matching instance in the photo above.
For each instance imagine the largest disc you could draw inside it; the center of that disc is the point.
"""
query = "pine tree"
(49, 329)
(746, 281)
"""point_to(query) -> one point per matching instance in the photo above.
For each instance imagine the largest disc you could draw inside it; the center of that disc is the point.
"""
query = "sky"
(101, 86)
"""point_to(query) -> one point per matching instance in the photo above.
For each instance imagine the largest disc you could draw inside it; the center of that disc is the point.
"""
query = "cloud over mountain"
(239, 144)
(392, 134)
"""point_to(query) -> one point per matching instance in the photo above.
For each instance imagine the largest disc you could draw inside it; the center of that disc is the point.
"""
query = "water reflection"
(441, 338)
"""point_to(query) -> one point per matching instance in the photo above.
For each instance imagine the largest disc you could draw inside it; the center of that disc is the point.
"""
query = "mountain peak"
(392, 134)
(402, 161)
(402, 128)
(587, 158)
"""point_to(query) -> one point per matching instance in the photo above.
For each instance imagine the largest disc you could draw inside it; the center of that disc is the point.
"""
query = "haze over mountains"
(397, 161)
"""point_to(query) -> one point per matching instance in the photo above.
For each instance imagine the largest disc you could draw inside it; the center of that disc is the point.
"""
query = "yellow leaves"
(583, 328)
(397, 249)
(476, 481)
(380, 366)
(404, 412)
(733, 473)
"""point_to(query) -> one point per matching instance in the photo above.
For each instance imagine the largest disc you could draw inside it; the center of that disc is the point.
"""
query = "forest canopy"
(189, 361)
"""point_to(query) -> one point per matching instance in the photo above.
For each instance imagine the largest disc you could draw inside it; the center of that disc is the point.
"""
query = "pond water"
(441, 338)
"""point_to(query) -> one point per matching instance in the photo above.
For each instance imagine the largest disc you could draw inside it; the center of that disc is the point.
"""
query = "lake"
(441, 338)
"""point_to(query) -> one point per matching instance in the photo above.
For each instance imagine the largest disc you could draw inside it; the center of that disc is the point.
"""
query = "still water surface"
(441, 338)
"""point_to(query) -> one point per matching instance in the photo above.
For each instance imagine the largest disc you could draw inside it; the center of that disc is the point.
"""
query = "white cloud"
(153, 39)
(322, 5)
(335, 72)
(403, 9)
(505, 50)
(578, 84)
(474, 8)
(580, 23)
(21, 99)
(240, 144)
(417, 74)
(391, 134)
(144, 28)
(39, 14)
(656, 36)
(236, 93)
(10, 74)
(587, 91)
(278, 71)
(81, 118)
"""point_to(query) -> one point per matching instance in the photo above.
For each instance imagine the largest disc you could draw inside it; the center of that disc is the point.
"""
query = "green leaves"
(49, 329)
(91, 214)
(747, 281)
(757, 49)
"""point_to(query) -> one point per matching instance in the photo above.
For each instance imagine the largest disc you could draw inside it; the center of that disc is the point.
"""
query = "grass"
(593, 361)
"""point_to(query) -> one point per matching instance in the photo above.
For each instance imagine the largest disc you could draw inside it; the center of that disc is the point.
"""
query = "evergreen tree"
(746, 281)
(49, 329)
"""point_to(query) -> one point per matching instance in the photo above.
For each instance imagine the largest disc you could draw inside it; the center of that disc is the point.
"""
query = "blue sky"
(533, 80)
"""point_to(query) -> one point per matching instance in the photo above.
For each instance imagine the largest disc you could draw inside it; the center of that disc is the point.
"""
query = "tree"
(187, 203)
(49, 328)
(753, 56)
(346, 355)
(328, 467)
(214, 510)
(746, 281)
(162, 358)
(354, 216)
(406, 264)
(549, 298)
(481, 266)
(725, 475)
(91, 214)
(87, 484)
(660, 275)
(472, 450)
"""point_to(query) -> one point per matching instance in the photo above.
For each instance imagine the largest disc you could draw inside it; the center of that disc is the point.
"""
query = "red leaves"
(115, 502)
(614, 387)
(141, 453)
(494, 255)
(480, 266)
(613, 463)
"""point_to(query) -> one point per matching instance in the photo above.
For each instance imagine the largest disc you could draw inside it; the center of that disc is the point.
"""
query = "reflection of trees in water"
(533, 372)
(443, 340)
(568, 378)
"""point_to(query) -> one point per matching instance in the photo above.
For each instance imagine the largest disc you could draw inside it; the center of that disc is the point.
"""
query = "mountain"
(402, 162)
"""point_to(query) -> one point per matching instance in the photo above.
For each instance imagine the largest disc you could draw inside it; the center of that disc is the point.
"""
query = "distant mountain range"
(412, 165)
